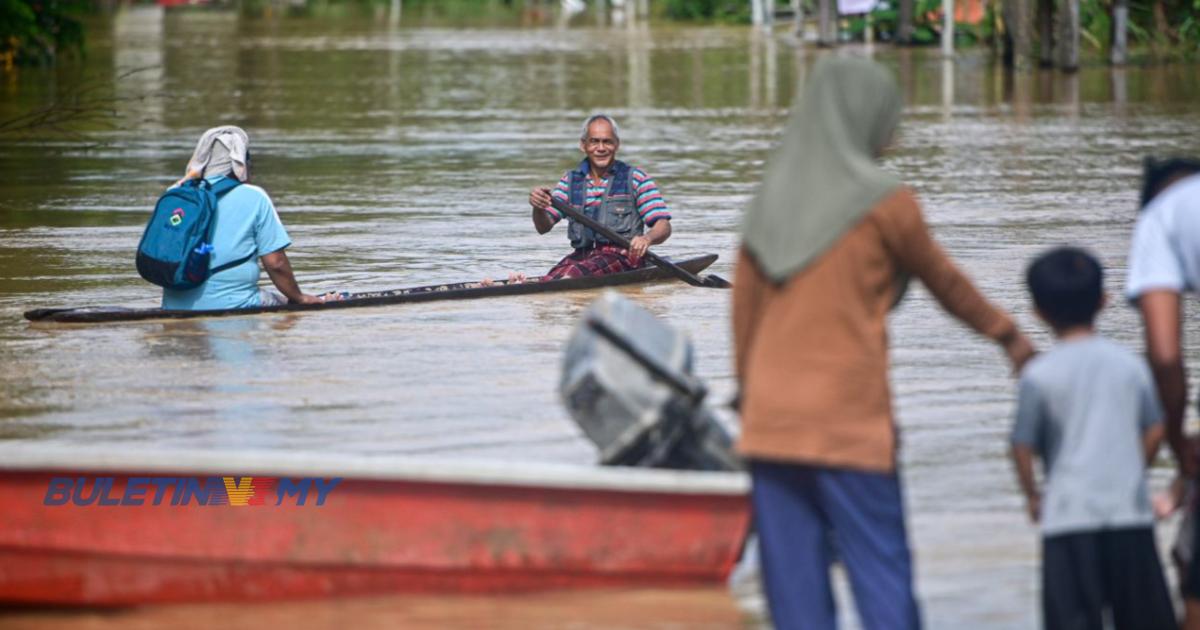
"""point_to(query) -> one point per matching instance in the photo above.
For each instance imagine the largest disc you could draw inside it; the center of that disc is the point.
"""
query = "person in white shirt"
(1164, 264)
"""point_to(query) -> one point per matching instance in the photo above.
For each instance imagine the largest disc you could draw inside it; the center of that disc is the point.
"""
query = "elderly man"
(621, 197)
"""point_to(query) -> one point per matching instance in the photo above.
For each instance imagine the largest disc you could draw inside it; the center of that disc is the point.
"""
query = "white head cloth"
(221, 150)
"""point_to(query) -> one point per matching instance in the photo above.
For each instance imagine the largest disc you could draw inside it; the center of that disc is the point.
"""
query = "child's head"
(1067, 285)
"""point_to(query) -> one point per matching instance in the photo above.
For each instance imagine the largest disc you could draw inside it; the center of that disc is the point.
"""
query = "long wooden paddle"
(710, 280)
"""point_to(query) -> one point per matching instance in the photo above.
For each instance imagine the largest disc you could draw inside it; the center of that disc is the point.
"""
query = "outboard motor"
(627, 382)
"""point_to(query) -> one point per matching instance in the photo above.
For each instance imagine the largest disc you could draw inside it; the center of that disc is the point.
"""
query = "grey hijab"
(221, 151)
(824, 177)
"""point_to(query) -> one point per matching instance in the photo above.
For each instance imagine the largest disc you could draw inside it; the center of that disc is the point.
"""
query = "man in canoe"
(621, 197)
(247, 229)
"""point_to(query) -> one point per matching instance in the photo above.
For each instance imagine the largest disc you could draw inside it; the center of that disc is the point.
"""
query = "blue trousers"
(802, 514)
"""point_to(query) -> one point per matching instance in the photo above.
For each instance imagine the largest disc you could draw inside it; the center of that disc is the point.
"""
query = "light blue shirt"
(246, 223)
(1083, 407)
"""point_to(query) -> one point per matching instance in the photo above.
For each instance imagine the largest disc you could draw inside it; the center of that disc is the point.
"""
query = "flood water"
(403, 156)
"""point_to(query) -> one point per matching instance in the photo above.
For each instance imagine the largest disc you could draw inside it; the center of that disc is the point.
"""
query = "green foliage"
(441, 13)
(708, 10)
(1175, 32)
(39, 31)
(1095, 23)
(927, 25)
(1176, 35)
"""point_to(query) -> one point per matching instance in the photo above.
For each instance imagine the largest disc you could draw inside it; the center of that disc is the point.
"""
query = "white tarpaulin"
(851, 7)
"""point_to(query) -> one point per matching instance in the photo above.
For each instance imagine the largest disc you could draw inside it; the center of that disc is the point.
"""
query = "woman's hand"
(1019, 350)
(1033, 507)
(332, 296)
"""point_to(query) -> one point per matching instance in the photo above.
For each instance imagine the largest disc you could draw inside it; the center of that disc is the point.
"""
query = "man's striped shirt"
(650, 203)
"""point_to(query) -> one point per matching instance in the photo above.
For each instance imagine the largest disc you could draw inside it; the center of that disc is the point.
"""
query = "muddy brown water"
(401, 157)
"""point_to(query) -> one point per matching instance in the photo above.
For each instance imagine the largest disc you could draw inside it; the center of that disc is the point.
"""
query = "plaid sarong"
(602, 260)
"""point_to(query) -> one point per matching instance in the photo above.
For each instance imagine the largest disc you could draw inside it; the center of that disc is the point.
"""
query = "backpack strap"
(229, 265)
(223, 186)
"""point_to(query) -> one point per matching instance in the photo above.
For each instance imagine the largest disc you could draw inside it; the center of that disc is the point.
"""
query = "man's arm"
(659, 232)
(1022, 456)
(1164, 349)
(279, 268)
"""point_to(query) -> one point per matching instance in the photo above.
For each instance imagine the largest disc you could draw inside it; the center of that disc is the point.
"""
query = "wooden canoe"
(390, 525)
(453, 291)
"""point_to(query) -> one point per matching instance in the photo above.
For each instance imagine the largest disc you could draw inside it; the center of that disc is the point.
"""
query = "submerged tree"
(76, 111)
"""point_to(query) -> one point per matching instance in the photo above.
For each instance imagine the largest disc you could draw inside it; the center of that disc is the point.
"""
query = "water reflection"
(764, 71)
(1119, 91)
(947, 88)
(402, 156)
(221, 344)
(137, 35)
(637, 51)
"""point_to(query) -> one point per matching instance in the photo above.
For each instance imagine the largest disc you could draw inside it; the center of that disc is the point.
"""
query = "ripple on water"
(405, 158)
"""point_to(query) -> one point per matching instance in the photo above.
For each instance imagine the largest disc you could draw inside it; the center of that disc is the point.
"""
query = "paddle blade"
(717, 282)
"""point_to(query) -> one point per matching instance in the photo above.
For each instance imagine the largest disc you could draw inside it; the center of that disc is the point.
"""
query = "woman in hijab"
(247, 228)
(828, 246)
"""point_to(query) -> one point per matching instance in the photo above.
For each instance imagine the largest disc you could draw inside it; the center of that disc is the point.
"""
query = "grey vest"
(617, 211)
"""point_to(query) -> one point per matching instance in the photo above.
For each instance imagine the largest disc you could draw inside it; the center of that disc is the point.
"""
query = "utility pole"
(947, 28)
(1019, 46)
(904, 27)
(1045, 18)
(1120, 32)
(762, 13)
(827, 22)
(1066, 44)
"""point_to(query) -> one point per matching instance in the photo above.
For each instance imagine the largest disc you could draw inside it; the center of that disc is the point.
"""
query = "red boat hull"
(370, 536)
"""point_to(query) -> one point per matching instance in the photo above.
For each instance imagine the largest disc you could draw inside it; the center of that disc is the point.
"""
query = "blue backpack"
(175, 248)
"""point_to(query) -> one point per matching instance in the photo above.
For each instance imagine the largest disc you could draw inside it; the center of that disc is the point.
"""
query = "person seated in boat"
(620, 196)
(246, 226)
